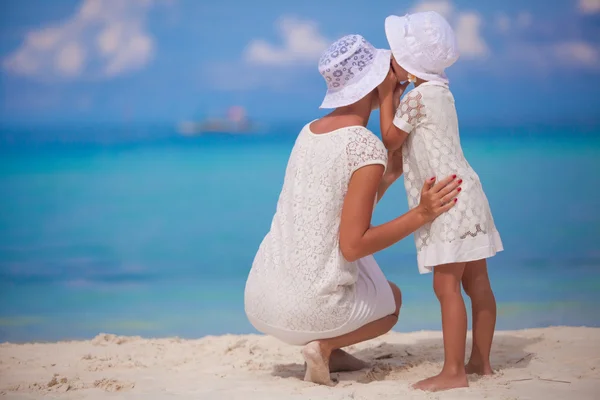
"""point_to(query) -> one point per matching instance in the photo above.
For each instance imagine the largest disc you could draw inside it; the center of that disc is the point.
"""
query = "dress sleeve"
(410, 111)
(365, 149)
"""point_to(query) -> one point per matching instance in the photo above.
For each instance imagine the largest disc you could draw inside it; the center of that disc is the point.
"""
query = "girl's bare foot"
(479, 369)
(317, 364)
(443, 381)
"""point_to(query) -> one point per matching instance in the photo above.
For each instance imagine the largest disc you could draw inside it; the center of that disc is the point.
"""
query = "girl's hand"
(398, 92)
(439, 198)
(388, 85)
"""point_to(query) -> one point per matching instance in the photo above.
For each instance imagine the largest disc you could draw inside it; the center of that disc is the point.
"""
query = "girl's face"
(401, 74)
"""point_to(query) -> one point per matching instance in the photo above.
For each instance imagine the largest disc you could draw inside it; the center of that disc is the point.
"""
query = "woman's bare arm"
(393, 171)
(384, 185)
(358, 239)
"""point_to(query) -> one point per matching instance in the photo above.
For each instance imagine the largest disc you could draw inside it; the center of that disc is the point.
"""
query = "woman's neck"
(353, 117)
(357, 113)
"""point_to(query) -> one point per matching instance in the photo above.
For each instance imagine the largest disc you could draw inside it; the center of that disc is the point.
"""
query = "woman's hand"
(359, 239)
(439, 198)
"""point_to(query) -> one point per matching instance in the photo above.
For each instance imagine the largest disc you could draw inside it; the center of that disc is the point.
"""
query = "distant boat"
(235, 123)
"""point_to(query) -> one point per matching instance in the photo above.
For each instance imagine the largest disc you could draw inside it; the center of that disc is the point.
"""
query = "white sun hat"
(352, 68)
(423, 44)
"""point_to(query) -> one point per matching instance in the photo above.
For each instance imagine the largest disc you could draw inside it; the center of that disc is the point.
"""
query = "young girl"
(455, 247)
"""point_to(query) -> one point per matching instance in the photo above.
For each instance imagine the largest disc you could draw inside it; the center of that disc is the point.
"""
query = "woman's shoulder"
(363, 146)
(361, 133)
(353, 136)
(362, 140)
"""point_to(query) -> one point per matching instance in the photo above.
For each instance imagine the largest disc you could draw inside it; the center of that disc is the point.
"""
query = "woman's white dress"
(467, 232)
(300, 287)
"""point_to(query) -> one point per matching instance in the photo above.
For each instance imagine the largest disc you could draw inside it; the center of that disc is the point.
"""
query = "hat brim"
(396, 36)
(352, 93)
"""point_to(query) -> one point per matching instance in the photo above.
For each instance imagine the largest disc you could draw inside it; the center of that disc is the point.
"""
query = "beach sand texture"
(548, 363)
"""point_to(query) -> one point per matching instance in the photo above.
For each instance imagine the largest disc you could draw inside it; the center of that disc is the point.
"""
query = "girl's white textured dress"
(467, 232)
(300, 287)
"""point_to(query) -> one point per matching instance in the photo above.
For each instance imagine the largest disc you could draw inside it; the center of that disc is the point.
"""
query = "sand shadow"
(392, 361)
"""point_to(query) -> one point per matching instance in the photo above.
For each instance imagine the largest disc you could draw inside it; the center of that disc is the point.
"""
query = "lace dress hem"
(465, 250)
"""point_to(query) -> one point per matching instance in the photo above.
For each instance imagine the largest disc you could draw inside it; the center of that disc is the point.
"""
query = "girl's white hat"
(423, 44)
(352, 68)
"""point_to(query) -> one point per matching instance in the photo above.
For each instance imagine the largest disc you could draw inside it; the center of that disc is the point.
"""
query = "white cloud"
(524, 19)
(69, 59)
(517, 55)
(547, 59)
(226, 76)
(589, 6)
(301, 45)
(470, 41)
(543, 57)
(466, 24)
(442, 7)
(302, 42)
(503, 22)
(103, 38)
(577, 53)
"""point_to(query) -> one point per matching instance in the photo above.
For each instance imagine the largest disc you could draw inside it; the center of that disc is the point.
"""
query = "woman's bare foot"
(479, 369)
(340, 361)
(443, 381)
(317, 364)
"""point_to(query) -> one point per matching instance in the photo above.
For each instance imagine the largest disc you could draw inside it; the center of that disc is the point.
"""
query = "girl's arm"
(389, 100)
(358, 239)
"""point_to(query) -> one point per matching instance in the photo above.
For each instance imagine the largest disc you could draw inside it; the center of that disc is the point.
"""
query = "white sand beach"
(550, 363)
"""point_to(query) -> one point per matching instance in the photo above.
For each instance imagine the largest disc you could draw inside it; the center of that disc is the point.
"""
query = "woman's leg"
(340, 361)
(446, 284)
(476, 283)
(320, 353)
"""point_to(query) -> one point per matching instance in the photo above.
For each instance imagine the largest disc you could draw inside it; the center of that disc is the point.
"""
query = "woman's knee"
(397, 297)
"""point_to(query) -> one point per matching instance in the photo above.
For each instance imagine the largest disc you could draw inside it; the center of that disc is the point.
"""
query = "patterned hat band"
(353, 77)
(352, 68)
(347, 64)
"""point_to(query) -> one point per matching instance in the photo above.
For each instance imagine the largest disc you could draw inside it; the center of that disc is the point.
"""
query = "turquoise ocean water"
(155, 236)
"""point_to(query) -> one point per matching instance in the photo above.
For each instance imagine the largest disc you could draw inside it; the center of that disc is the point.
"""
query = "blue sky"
(161, 61)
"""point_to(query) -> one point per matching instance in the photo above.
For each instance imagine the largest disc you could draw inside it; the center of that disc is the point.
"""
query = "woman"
(314, 281)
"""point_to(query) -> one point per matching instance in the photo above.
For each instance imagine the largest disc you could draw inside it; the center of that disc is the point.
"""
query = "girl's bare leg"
(446, 284)
(483, 304)
(321, 354)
